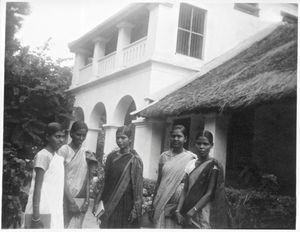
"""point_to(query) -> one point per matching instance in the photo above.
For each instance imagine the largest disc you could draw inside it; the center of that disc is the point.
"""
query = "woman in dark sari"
(203, 203)
(123, 185)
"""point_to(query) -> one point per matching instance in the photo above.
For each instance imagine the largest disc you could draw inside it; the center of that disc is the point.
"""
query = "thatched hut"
(249, 103)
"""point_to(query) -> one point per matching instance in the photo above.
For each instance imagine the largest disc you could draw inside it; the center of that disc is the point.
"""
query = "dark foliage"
(250, 208)
(17, 174)
(35, 85)
(34, 95)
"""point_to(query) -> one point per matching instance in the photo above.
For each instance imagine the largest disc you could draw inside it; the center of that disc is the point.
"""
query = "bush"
(17, 174)
(252, 209)
(97, 182)
(148, 192)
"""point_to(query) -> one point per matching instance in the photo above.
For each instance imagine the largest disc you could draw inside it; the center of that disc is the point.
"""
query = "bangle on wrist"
(195, 209)
(177, 211)
(35, 220)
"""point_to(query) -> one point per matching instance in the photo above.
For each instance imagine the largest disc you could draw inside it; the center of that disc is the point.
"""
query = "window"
(249, 8)
(190, 31)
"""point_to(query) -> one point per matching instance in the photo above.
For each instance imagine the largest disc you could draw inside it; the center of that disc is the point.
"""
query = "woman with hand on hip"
(170, 179)
(123, 185)
(44, 208)
(79, 163)
(203, 203)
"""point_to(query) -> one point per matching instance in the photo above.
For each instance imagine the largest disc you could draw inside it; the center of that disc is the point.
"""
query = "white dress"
(52, 190)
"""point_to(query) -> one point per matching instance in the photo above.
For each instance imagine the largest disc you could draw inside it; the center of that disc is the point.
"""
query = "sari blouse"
(197, 185)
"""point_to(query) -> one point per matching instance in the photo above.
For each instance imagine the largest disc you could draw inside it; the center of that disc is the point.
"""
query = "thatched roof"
(264, 72)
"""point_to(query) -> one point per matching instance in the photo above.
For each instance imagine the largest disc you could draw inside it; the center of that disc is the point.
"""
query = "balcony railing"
(107, 64)
(134, 52)
(131, 55)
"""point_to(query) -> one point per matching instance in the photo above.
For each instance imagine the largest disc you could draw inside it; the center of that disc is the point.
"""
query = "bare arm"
(208, 195)
(39, 178)
(159, 176)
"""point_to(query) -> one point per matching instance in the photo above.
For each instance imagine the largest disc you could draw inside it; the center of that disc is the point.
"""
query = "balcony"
(131, 55)
(134, 53)
(106, 65)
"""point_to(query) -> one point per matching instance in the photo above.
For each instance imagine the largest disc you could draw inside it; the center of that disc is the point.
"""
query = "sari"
(77, 179)
(170, 187)
(123, 189)
(215, 214)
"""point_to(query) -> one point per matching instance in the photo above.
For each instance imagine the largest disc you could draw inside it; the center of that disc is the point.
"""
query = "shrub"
(17, 173)
(252, 209)
(148, 192)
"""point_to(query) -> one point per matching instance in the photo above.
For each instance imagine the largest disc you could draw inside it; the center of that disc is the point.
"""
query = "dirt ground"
(90, 220)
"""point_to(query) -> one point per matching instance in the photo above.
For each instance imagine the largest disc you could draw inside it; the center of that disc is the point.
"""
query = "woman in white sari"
(78, 161)
(170, 179)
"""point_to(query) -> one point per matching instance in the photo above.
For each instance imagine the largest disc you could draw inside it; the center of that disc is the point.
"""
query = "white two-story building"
(148, 49)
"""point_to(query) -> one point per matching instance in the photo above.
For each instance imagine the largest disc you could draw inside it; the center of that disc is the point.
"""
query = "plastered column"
(91, 139)
(99, 51)
(110, 138)
(124, 37)
(159, 26)
(218, 126)
(80, 57)
(148, 143)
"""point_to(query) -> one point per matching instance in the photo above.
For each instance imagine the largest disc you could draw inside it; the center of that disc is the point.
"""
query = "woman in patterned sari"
(170, 179)
(123, 185)
(203, 203)
(79, 163)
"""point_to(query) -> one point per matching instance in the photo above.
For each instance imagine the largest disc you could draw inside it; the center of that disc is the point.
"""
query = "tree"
(34, 95)
(14, 17)
(35, 87)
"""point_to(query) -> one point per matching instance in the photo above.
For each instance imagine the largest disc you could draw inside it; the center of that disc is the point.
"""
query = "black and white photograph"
(149, 114)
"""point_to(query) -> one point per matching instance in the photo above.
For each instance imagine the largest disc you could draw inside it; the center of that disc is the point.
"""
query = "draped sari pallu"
(172, 175)
(76, 173)
(198, 182)
(130, 173)
(77, 178)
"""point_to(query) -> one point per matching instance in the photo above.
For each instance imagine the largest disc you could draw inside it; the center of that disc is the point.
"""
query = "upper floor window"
(249, 8)
(190, 31)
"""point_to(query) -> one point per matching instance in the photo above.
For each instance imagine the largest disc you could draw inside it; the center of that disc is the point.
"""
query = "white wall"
(110, 92)
(164, 75)
(225, 28)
